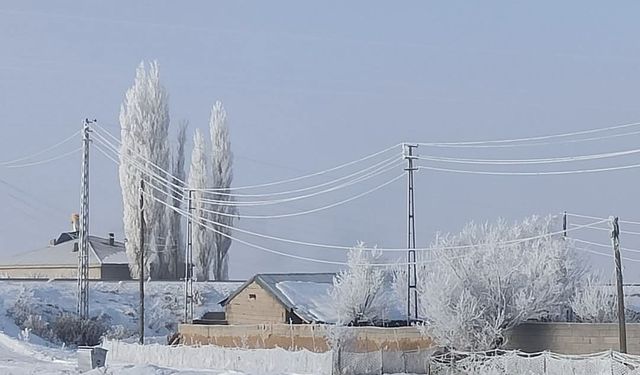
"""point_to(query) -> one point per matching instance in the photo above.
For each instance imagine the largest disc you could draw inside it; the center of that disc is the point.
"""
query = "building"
(59, 260)
(282, 298)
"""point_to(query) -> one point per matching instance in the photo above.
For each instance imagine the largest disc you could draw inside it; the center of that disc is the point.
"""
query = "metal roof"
(269, 281)
(63, 254)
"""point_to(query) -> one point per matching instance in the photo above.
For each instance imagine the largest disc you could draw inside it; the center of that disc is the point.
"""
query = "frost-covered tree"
(357, 290)
(595, 301)
(173, 249)
(489, 278)
(144, 122)
(199, 178)
(222, 176)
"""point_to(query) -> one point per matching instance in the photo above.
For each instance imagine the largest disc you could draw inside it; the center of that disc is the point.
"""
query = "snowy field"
(24, 353)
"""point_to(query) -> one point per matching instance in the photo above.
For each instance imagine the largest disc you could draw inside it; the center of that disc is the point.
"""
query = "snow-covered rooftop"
(65, 253)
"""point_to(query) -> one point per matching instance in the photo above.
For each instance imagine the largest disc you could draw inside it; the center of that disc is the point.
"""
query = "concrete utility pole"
(141, 260)
(82, 308)
(412, 280)
(188, 264)
(622, 328)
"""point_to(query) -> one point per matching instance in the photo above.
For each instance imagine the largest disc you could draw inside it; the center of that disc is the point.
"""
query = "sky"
(308, 86)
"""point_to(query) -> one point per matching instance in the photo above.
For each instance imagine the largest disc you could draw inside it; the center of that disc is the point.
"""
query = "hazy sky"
(309, 86)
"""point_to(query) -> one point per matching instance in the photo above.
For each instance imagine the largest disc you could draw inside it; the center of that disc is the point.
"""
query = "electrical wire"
(603, 245)
(296, 198)
(341, 166)
(67, 139)
(293, 256)
(558, 142)
(543, 173)
(305, 243)
(385, 163)
(525, 139)
(45, 161)
(562, 159)
(293, 214)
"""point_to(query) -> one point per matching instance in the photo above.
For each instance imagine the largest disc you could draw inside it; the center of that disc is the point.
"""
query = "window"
(252, 297)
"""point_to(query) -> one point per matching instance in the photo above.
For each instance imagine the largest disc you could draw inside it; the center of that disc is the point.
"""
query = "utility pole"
(82, 307)
(622, 328)
(141, 262)
(412, 280)
(188, 264)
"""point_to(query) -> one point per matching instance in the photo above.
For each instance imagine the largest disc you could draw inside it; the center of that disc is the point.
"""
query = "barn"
(59, 260)
(295, 298)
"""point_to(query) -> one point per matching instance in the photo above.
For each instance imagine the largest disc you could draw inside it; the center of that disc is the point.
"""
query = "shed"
(295, 298)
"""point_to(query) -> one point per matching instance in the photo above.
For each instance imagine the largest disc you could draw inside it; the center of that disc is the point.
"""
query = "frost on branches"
(595, 301)
(173, 245)
(199, 178)
(358, 290)
(224, 210)
(144, 122)
(492, 277)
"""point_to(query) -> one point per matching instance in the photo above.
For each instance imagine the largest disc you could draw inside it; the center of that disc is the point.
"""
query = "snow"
(119, 300)
(310, 299)
(258, 361)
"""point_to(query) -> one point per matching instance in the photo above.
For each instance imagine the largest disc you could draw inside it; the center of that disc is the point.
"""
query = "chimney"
(112, 239)
(75, 222)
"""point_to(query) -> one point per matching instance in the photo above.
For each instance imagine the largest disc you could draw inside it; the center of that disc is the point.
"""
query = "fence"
(501, 362)
(254, 361)
(346, 362)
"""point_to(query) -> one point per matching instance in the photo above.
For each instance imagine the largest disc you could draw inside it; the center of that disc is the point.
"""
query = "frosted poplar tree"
(199, 178)
(174, 244)
(489, 278)
(357, 291)
(144, 122)
(222, 173)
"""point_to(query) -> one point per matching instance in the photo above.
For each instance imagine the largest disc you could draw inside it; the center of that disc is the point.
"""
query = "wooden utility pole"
(615, 240)
(141, 262)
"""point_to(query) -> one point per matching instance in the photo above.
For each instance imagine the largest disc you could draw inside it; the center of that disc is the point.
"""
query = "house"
(59, 260)
(282, 298)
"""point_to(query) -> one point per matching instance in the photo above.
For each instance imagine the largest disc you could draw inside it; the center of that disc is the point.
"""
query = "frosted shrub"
(72, 330)
(477, 284)
(357, 290)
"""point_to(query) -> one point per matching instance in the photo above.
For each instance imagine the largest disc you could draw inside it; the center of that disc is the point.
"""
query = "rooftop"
(63, 252)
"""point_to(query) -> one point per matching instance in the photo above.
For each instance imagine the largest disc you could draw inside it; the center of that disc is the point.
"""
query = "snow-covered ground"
(22, 353)
(118, 302)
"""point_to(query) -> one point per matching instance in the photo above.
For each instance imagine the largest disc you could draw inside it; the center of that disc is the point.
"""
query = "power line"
(536, 138)
(293, 214)
(532, 144)
(603, 245)
(541, 173)
(67, 139)
(562, 159)
(305, 243)
(341, 166)
(39, 162)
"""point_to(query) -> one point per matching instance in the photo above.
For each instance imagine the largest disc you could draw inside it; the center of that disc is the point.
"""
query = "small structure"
(291, 298)
(90, 357)
(59, 260)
